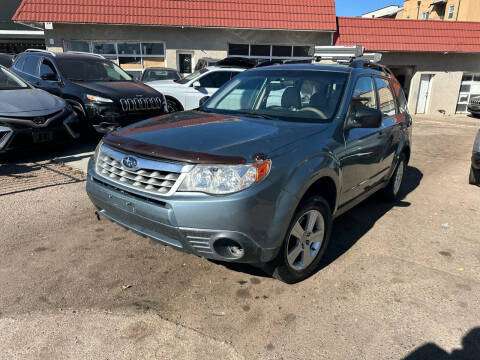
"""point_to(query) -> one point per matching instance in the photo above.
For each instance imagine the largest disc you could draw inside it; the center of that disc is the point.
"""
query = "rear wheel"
(474, 178)
(305, 242)
(392, 191)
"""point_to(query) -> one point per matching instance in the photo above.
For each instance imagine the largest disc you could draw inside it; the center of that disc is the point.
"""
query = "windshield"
(8, 81)
(192, 76)
(160, 74)
(291, 95)
(92, 70)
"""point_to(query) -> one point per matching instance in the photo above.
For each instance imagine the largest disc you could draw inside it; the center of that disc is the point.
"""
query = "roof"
(316, 15)
(384, 11)
(409, 35)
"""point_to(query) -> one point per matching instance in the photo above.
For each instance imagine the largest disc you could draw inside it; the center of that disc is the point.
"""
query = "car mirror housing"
(196, 85)
(366, 117)
(49, 77)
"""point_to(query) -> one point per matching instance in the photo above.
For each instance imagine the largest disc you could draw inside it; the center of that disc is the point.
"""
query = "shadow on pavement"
(470, 350)
(348, 228)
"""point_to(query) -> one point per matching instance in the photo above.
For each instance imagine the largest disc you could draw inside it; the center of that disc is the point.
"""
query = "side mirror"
(197, 85)
(203, 100)
(49, 77)
(365, 117)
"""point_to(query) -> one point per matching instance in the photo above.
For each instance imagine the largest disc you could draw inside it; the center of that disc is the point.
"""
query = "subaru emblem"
(39, 120)
(130, 163)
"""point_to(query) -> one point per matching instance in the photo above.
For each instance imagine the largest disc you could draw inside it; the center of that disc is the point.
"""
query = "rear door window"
(215, 79)
(31, 65)
(19, 63)
(47, 68)
(385, 97)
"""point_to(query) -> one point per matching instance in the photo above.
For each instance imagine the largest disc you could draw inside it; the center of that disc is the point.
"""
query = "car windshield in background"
(8, 81)
(160, 74)
(290, 95)
(92, 70)
(192, 76)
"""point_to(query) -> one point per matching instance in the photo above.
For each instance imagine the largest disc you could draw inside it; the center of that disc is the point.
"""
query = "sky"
(359, 7)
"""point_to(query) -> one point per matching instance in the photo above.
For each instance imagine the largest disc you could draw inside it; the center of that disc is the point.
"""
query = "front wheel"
(172, 106)
(305, 243)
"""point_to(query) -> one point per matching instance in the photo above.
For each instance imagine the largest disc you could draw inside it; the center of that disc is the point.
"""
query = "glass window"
(128, 48)
(160, 74)
(461, 107)
(104, 48)
(425, 15)
(82, 46)
(31, 65)
(153, 49)
(260, 50)
(91, 70)
(276, 95)
(238, 49)
(47, 68)
(385, 97)
(282, 51)
(19, 63)
(9, 81)
(301, 51)
(465, 88)
(215, 79)
(451, 11)
(365, 92)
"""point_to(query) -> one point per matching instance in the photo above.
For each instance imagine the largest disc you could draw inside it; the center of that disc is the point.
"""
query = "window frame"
(451, 11)
(270, 57)
(392, 91)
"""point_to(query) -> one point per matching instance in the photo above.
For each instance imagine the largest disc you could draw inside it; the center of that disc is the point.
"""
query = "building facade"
(437, 62)
(389, 12)
(450, 10)
(177, 34)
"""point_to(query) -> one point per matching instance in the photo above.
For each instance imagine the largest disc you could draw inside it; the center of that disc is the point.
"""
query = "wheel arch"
(176, 101)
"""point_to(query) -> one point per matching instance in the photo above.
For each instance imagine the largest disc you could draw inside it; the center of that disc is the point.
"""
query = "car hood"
(165, 84)
(28, 102)
(198, 135)
(118, 89)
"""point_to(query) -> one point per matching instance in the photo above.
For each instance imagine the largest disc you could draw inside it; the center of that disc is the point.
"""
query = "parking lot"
(398, 282)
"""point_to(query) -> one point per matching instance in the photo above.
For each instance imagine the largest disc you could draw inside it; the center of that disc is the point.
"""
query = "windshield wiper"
(254, 115)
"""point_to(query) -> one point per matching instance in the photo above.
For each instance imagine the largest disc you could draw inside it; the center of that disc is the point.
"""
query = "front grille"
(475, 101)
(5, 134)
(142, 104)
(154, 177)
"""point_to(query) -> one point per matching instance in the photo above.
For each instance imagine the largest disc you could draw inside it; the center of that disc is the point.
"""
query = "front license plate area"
(42, 136)
(122, 204)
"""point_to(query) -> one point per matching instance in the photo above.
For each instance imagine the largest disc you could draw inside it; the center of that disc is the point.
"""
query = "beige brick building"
(449, 10)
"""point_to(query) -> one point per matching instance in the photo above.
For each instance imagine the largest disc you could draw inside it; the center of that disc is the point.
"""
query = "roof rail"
(345, 54)
(86, 53)
(41, 51)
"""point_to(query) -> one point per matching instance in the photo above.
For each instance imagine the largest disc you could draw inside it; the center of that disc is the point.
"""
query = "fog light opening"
(229, 248)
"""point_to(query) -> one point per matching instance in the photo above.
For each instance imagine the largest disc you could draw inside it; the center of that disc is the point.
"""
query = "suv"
(101, 93)
(186, 93)
(260, 170)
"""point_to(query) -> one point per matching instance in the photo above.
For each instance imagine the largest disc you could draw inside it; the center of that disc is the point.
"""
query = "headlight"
(98, 99)
(97, 150)
(223, 179)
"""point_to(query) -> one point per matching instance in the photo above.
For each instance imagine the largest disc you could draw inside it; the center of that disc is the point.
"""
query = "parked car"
(475, 169)
(159, 73)
(206, 62)
(6, 60)
(101, 93)
(474, 106)
(245, 179)
(29, 116)
(186, 93)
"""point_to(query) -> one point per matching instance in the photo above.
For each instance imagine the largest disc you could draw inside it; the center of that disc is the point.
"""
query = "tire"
(290, 265)
(393, 190)
(173, 106)
(474, 178)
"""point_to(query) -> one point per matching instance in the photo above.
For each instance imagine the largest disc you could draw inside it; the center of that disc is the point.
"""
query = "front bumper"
(197, 223)
(473, 108)
(476, 161)
(107, 117)
(22, 137)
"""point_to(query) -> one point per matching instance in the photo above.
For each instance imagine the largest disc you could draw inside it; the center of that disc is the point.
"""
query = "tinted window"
(31, 65)
(385, 97)
(301, 51)
(400, 95)
(260, 50)
(8, 81)
(282, 51)
(160, 74)
(215, 79)
(47, 68)
(19, 63)
(238, 49)
(91, 70)
(365, 91)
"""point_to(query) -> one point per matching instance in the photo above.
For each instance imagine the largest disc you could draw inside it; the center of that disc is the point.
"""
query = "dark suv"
(260, 170)
(101, 93)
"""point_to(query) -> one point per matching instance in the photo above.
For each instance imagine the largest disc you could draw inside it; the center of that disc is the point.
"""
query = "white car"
(186, 93)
